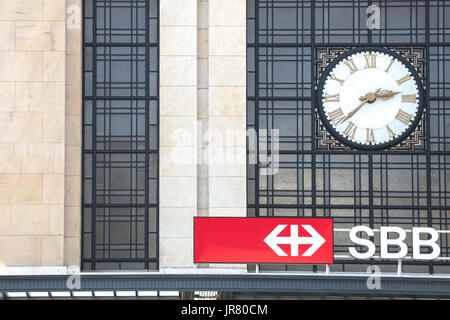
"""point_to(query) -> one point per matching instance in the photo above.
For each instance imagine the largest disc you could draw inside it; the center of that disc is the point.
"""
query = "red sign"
(263, 240)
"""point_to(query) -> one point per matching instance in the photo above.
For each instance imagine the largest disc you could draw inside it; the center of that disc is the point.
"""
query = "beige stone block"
(27, 127)
(72, 191)
(73, 100)
(53, 189)
(178, 40)
(57, 219)
(54, 9)
(58, 36)
(33, 35)
(73, 69)
(54, 66)
(22, 189)
(30, 220)
(73, 131)
(227, 101)
(178, 71)
(227, 71)
(73, 160)
(178, 192)
(227, 13)
(171, 257)
(7, 36)
(34, 96)
(178, 101)
(21, 127)
(60, 158)
(228, 40)
(53, 128)
(202, 77)
(35, 157)
(7, 157)
(20, 10)
(227, 131)
(202, 194)
(73, 41)
(52, 251)
(227, 161)
(202, 44)
(227, 192)
(178, 131)
(178, 13)
(59, 96)
(176, 222)
(72, 251)
(20, 66)
(203, 14)
(6, 96)
(178, 161)
(203, 103)
(7, 127)
(72, 221)
(5, 220)
(20, 251)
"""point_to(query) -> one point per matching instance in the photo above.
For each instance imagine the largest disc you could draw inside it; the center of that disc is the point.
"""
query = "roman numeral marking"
(351, 130)
(404, 79)
(371, 60)
(409, 98)
(389, 66)
(391, 133)
(369, 135)
(403, 117)
(351, 65)
(336, 116)
(331, 97)
(333, 77)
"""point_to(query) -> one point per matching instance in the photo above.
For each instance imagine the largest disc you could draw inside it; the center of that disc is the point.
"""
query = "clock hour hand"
(383, 95)
(368, 98)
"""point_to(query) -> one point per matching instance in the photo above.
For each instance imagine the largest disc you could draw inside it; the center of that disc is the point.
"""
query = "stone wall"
(32, 132)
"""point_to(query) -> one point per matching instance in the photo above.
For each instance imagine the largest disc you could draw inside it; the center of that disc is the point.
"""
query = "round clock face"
(370, 98)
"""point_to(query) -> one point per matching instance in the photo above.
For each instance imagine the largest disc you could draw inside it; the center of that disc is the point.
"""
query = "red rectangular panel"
(263, 240)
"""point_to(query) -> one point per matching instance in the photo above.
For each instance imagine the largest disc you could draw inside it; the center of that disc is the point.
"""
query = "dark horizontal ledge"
(262, 283)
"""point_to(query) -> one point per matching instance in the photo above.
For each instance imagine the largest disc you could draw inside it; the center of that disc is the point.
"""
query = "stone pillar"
(227, 108)
(32, 122)
(178, 127)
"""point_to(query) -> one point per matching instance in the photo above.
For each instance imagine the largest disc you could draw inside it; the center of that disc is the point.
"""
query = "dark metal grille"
(406, 188)
(120, 135)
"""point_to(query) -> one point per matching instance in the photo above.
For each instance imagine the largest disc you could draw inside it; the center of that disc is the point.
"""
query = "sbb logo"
(387, 240)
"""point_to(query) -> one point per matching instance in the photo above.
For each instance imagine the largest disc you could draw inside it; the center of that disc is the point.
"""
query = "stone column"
(32, 123)
(178, 127)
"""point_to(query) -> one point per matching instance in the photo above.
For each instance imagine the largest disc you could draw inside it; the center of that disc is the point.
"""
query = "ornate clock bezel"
(344, 143)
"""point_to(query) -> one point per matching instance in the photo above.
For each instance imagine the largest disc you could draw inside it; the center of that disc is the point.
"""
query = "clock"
(370, 98)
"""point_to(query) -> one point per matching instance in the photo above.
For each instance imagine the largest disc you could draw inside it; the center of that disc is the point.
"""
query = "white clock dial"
(370, 98)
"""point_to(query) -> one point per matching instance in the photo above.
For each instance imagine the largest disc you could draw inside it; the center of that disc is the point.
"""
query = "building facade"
(125, 119)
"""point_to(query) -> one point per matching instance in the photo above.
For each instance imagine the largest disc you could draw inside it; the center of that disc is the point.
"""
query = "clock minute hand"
(368, 98)
(351, 113)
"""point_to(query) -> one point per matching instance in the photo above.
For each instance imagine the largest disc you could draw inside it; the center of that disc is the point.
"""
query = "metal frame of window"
(291, 32)
(120, 133)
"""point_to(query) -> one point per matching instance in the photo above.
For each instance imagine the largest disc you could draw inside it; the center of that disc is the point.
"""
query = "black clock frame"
(368, 147)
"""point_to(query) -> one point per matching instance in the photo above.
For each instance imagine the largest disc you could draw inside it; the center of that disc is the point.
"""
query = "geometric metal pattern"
(288, 44)
(120, 135)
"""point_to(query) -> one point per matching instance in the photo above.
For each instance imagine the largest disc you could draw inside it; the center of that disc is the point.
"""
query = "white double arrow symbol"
(273, 240)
